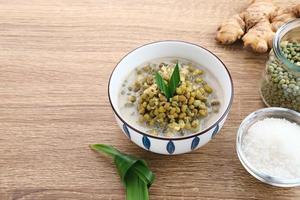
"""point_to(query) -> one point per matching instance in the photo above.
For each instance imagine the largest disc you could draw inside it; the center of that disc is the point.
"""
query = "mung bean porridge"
(194, 106)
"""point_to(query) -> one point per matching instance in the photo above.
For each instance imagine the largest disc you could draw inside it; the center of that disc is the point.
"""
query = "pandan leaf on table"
(135, 173)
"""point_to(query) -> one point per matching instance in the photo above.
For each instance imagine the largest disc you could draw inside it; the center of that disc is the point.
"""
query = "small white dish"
(178, 49)
(252, 118)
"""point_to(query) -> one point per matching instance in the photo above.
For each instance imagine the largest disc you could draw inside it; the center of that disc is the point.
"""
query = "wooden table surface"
(55, 61)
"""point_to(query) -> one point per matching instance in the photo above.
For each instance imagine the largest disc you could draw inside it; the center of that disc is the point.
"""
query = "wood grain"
(55, 60)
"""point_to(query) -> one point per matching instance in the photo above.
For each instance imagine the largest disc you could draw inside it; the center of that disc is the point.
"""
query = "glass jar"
(280, 86)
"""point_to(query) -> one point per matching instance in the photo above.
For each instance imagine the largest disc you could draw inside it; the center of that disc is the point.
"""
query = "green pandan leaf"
(135, 173)
(174, 80)
(136, 187)
(168, 89)
(162, 85)
(106, 149)
(143, 171)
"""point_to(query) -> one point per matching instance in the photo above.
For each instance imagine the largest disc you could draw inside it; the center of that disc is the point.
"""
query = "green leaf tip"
(106, 149)
(174, 80)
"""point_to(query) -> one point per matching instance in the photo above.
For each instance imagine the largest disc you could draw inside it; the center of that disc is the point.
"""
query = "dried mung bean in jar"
(280, 86)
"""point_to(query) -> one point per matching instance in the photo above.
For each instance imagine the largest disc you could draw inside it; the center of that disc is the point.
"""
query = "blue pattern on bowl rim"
(195, 143)
(146, 142)
(170, 147)
(216, 130)
(126, 130)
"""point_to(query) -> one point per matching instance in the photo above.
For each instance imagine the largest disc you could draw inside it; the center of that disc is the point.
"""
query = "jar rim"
(281, 32)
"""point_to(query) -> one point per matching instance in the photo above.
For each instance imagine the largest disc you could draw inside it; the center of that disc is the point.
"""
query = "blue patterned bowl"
(209, 61)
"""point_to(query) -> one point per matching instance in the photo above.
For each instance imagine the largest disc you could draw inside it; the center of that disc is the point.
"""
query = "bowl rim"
(175, 138)
(275, 181)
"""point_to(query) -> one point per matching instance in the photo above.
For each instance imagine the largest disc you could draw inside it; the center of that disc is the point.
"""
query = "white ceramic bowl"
(148, 52)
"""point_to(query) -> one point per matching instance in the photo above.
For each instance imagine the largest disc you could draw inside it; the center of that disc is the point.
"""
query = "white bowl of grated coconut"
(268, 146)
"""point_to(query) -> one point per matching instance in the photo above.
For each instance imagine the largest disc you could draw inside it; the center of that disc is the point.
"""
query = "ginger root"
(231, 30)
(281, 16)
(259, 37)
(257, 25)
